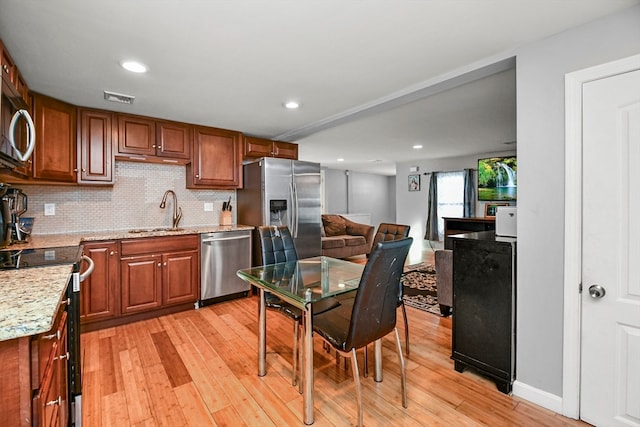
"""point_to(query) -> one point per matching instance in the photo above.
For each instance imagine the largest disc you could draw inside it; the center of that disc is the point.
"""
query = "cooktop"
(13, 259)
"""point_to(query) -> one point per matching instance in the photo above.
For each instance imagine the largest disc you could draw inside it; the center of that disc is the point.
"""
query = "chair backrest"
(374, 309)
(276, 244)
(387, 232)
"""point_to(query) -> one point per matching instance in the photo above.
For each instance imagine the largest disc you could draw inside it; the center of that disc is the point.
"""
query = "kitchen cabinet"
(259, 147)
(216, 159)
(54, 157)
(173, 140)
(51, 401)
(136, 135)
(96, 158)
(13, 80)
(158, 272)
(146, 139)
(100, 289)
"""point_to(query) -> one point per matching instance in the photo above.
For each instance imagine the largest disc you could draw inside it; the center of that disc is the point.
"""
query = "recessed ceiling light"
(340, 160)
(292, 105)
(417, 147)
(134, 66)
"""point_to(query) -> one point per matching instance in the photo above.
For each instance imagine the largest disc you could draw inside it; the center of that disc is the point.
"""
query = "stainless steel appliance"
(283, 192)
(72, 256)
(222, 254)
(13, 203)
(17, 131)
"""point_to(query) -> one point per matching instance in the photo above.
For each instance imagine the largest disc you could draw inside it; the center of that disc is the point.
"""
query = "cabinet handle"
(112, 253)
(165, 263)
(159, 264)
(75, 170)
(154, 146)
(66, 301)
(84, 170)
(63, 356)
(54, 402)
(197, 176)
(5, 68)
(55, 335)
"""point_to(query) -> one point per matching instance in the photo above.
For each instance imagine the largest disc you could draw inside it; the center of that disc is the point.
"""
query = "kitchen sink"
(154, 230)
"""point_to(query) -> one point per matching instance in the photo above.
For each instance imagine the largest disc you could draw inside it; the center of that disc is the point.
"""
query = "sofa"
(343, 238)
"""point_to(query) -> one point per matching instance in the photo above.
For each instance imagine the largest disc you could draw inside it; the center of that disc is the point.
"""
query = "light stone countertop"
(29, 297)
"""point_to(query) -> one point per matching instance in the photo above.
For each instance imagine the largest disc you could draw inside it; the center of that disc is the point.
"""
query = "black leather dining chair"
(277, 247)
(385, 233)
(371, 315)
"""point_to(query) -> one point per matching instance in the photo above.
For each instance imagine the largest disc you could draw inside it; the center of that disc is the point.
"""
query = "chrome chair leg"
(356, 378)
(406, 328)
(295, 378)
(403, 375)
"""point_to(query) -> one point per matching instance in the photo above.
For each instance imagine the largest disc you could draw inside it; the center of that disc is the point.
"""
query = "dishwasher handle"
(219, 239)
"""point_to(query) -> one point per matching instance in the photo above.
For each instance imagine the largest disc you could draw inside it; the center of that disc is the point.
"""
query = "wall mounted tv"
(497, 179)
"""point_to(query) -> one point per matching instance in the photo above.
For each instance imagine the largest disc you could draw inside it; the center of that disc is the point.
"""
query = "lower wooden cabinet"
(100, 289)
(159, 272)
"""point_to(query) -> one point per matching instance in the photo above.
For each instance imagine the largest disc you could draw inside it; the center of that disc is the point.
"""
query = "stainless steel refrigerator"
(283, 192)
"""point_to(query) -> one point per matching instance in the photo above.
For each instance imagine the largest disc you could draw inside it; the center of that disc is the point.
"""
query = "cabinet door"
(180, 277)
(99, 290)
(216, 159)
(257, 147)
(285, 150)
(54, 157)
(95, 143)
(140, 282)
(174, 140)
(136, 135)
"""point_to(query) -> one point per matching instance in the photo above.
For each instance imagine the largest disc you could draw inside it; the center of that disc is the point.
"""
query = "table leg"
(378, 360)
(262, 334)
(308, 365)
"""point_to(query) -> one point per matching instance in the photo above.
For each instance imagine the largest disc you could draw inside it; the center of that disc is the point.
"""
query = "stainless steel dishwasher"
(222, 254)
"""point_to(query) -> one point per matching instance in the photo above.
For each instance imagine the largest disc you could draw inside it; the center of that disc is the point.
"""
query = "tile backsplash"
(133, 202)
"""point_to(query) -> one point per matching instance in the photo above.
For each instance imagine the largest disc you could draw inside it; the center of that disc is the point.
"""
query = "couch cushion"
(334, 225)
(354, 240)
(332, 242)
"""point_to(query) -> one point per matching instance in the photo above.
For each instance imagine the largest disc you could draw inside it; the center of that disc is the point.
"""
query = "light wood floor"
(199, 368)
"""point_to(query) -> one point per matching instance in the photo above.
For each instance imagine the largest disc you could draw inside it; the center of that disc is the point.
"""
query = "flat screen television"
(497, 179)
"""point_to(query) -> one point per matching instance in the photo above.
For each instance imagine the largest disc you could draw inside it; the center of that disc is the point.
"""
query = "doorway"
(601, 366)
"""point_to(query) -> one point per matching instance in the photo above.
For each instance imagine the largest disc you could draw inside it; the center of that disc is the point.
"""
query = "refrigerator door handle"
(294, 210)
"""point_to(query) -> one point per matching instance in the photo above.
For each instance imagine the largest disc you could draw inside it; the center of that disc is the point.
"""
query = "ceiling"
(374, 78)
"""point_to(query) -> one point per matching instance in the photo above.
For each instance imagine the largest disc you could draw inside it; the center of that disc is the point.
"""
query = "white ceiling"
(373, 77)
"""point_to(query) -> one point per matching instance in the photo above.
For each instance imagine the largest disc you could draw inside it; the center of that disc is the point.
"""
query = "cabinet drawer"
(158, 244)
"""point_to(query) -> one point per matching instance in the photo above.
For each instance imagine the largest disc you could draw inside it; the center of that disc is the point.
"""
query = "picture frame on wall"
(490, 209)
(414, 182)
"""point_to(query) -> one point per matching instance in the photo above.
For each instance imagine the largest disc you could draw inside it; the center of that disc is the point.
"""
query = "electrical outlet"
(208, 207)
(49, 209)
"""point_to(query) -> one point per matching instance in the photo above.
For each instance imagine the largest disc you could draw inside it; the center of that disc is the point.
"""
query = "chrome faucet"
(177, 212)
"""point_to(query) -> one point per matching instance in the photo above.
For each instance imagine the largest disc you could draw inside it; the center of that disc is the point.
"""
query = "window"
(450, 197)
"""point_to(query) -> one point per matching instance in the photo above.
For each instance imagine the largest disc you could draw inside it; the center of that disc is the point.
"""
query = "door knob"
(596, 291)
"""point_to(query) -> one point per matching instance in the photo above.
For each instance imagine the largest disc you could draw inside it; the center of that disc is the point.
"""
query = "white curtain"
(450, 197)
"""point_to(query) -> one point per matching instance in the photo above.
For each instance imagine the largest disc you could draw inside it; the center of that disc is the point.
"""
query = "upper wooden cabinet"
(96, 133)
(173, 140)
(259, 147)
(136, 135)
(54, 157)
(13, 81)
(149, 140)
(216, 159)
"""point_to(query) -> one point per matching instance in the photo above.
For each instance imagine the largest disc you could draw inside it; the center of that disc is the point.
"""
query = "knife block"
(225, 218)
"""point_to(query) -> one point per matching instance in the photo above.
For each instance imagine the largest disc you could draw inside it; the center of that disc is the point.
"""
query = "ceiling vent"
(118, 97)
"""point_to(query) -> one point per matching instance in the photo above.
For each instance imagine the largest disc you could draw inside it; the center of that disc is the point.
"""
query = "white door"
(610, 369)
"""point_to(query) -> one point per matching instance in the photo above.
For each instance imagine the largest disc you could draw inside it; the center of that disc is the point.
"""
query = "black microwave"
(17, 132)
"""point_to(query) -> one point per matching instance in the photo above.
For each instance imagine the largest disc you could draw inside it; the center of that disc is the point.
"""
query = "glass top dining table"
(301, 283)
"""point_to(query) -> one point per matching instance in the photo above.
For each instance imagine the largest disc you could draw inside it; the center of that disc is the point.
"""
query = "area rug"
(419, 281)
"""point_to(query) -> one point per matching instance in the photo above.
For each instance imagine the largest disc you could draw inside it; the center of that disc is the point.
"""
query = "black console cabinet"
(484, 306)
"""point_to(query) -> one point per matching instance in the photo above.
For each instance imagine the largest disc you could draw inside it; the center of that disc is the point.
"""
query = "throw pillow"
(334, 225)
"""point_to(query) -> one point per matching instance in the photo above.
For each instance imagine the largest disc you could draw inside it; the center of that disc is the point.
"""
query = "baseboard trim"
(537, 396)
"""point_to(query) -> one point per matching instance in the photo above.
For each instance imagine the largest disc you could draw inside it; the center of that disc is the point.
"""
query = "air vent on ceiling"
(118, 97)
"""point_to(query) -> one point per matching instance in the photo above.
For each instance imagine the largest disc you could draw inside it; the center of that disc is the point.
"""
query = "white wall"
(360, 193)
(540, 72)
